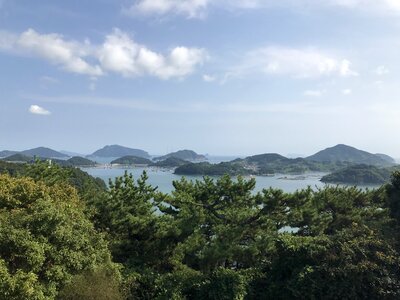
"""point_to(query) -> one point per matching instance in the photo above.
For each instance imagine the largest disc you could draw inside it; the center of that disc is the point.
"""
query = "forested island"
(66, 235)
(360, 175)
(345, 164)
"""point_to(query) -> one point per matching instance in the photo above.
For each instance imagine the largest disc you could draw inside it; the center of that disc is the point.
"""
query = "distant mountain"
(188, 155)
(71, 154)
(263, 164)
(44, 153)
(132, 160)
(346, 153)
(18, 157)
(7, 153)
(119, 151)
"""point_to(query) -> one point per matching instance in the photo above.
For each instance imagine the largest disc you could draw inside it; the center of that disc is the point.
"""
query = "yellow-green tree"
(45, 239)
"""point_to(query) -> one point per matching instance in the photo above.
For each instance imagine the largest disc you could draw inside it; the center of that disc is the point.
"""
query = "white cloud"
(381, 70)
(70, 55)
(208, 78)
(119, 54)
(295, 62)
(189, 8)
(347, 92)
(313, 93)
(122, 55)
(37, 110)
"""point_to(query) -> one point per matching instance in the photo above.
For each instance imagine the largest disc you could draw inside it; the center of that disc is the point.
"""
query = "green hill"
(350, 154)
(44, 152)
(171, 162)
(119, 151)
(205, 168)
(132, 160)
(78, 161)
(359, 175)
(188, 155)
(18, 157)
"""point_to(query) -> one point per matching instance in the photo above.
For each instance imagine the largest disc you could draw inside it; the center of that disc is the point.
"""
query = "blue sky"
(216, 76)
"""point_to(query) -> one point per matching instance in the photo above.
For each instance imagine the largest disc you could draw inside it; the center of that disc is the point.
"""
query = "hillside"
(78, 161)
(188, 155)
(18, 157)
(44, 153)
(119, 151)
(388, 158)
(359, 175)
(205, 168)
(350, 154)
(6, 153)
(131, 160)
(171, 162)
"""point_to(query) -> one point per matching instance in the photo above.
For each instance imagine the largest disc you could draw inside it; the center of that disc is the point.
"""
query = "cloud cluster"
(37, 110)
(296, 62)
(119, 54)
(70, 55)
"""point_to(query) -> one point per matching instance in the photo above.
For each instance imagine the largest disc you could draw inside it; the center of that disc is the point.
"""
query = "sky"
(221, 77)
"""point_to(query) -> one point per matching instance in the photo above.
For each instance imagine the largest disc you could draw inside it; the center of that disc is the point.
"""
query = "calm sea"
(163, 178)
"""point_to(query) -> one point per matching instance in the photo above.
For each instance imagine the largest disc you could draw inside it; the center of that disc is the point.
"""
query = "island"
(360, 175)
(131, 160)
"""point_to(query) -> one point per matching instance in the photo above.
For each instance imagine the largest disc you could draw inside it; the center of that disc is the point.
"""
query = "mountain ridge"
(345, 153)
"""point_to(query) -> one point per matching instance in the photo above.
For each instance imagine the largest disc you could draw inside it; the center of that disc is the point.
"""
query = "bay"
(163, 178)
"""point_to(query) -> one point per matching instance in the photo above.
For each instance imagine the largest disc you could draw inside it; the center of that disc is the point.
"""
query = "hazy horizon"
(231, 78)
(158, 153)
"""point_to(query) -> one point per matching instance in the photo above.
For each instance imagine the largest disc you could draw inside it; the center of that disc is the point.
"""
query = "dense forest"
(66, 235)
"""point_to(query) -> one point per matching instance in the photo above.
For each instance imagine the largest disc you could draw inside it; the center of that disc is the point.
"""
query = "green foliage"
(45, 238)
(88, 187)
(128, 215)
(220, 223)
(11, 168)
(96, 284)
(208, 239)
(352, 264)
